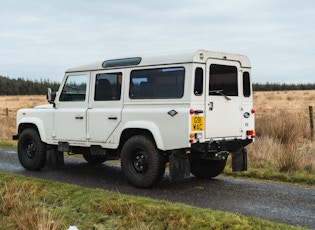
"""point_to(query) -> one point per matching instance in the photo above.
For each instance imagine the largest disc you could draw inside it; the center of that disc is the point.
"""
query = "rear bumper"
(201, 150)
(219, 150)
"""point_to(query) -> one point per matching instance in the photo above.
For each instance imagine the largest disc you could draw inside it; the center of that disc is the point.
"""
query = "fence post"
(310, 109)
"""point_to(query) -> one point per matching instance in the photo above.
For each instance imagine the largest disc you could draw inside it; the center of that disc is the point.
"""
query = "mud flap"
(179, 166)
(239, 160)
(54, 157)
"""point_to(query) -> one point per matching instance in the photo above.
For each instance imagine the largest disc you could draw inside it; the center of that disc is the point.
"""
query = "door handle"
(79, 117)
(210, 104)
(112, 118)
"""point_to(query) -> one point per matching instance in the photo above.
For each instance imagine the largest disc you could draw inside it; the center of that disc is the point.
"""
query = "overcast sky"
(40, 39)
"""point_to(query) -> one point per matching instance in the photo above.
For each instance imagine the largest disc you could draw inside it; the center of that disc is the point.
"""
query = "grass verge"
(300, 178)
(27, 203)
(8, 144)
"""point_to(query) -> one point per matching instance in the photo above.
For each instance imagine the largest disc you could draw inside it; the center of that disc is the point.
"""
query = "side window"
(198, 87)
(108, 87)
(246, 85)
(157, 83)
(223, 78)
(74, 88)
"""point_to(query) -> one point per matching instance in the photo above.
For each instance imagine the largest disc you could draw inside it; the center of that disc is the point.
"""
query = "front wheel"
(206, 169)
(141, 162)
(31, 150)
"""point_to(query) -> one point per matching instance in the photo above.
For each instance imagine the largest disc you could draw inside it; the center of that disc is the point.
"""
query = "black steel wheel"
(31, 150)
(206, 169)
(141, 161)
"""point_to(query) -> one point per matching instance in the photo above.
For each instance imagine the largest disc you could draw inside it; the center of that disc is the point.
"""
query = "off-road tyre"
(31, 150)
(206, 169)
(92, 159)
(142, 163)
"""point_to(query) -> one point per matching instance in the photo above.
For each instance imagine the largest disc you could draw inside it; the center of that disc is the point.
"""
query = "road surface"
(293, 205)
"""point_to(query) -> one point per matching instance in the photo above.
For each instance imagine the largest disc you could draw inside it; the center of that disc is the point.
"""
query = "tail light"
(251, 133)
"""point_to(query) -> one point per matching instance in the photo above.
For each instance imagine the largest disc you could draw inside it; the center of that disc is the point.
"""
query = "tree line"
(20, 86)
(282, 86)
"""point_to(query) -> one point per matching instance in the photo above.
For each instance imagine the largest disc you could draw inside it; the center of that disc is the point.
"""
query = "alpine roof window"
(122, 62)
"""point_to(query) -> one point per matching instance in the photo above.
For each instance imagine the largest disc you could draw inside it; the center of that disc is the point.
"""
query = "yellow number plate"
(197, 123)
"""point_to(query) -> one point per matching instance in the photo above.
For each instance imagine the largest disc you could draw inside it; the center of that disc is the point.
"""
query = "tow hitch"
(222, 155)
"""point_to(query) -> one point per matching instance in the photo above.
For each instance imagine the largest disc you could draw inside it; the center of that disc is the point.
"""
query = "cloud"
(41, 39)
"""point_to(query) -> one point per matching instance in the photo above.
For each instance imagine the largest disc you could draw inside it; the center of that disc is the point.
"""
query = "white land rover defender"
(191, 109)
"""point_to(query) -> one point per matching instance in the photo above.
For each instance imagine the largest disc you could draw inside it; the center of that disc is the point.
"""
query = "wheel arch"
(127, 133)
(132, 131)
(148, 129)
(35, 124)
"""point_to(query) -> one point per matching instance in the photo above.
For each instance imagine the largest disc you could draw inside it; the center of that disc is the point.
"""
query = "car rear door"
(223, 116)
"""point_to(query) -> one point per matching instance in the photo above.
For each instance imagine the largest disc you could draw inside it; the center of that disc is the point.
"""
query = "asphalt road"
(293, 205)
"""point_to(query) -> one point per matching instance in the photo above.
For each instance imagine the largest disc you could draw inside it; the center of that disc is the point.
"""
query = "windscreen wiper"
(220, 92)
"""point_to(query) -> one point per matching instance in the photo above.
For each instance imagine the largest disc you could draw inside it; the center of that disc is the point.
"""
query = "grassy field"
(283, 131)
(282, 150)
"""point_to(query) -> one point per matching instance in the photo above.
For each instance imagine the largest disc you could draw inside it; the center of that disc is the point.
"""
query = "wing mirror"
(51, 96)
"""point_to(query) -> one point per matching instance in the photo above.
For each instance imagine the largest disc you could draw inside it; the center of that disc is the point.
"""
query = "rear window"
(223, 78)
(246, 85)
(198, 87)
(157, 83)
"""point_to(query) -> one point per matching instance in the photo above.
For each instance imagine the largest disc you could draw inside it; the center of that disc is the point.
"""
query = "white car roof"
(197, 56)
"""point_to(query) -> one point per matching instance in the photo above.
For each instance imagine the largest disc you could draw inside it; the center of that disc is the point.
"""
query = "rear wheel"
(31, 150)
(141, 162)
(206, 169)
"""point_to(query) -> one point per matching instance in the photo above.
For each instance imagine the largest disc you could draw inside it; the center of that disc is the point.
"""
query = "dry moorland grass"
(282, 126)
(288, 100)
(283, 131)
(9, 105)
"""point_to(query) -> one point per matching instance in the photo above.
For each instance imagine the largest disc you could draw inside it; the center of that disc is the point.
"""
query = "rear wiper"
(220, 92)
